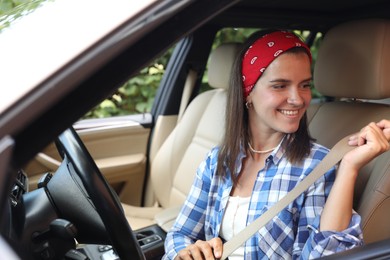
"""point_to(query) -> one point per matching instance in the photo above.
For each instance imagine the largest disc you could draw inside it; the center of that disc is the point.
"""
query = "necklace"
(259, 151)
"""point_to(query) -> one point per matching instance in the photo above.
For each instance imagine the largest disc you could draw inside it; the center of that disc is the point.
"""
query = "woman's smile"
(289, 113)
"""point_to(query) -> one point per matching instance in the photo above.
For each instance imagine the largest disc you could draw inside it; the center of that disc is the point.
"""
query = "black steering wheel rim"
(106, 202)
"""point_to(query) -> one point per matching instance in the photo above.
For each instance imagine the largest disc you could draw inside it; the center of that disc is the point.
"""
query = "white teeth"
(289, 112)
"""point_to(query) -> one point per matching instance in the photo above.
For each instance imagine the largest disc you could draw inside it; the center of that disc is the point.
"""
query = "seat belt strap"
(332, 158)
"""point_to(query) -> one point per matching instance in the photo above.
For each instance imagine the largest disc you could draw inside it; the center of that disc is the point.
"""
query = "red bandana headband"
(262, 52)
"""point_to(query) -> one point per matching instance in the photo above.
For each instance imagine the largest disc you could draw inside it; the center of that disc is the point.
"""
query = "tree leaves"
(11, 10)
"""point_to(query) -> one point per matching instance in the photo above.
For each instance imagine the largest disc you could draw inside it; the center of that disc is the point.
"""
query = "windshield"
(38, 44)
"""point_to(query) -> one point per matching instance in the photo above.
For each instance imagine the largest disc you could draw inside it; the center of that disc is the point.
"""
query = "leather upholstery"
(353, 62)
(201, 128)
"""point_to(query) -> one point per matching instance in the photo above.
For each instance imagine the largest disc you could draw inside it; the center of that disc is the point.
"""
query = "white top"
(234, 221)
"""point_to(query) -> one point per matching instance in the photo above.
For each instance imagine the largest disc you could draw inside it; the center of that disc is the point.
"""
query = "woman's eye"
(278, 86)
(307, 85)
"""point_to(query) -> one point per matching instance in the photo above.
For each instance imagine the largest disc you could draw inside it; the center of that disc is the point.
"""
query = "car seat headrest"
(221, 64)
(354, 61)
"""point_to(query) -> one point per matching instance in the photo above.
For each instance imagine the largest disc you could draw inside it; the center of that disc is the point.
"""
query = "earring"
(248, 105)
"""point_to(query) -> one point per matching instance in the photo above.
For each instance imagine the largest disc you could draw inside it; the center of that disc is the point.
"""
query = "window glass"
(137, 95)
(12, 10)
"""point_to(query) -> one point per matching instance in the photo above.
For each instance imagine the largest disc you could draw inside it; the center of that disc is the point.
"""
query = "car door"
(118, 146)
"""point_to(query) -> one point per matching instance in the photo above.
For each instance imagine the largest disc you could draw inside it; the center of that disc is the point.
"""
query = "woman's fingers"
(370, 141)
(374, 137)
(385, 126)
(208, 250)
(353, 140)
(217, 245)
(382, 128)
(184, 254)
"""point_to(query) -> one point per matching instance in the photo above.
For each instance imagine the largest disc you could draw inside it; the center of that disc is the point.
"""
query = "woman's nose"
(295, 97)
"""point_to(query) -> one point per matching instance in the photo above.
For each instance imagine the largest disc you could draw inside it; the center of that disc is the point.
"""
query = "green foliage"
(232, 35)
(135, 96)
(11, 10)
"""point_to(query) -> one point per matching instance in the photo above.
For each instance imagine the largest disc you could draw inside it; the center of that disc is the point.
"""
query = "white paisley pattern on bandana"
(262, 52)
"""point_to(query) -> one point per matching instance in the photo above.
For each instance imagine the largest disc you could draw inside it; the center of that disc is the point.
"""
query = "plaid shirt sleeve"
(321, 243)
(328, 242)
(189, 225)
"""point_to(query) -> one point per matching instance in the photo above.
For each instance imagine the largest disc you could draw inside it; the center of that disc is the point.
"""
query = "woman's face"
(282, 94)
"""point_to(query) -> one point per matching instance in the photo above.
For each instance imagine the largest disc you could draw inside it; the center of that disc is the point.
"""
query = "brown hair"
(237, 132)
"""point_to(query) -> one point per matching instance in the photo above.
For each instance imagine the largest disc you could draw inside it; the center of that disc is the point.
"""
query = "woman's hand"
(208, 250)
(371, 141)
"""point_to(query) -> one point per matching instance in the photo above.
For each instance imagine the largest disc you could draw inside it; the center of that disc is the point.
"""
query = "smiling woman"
(267, 99)
(66, 57)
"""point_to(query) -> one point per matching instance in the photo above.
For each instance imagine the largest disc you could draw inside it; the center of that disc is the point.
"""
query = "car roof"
(94, 74)
(302, 14)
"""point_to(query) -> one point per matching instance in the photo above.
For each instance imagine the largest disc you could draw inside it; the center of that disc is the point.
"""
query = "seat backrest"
(353, 65)
(200, 128)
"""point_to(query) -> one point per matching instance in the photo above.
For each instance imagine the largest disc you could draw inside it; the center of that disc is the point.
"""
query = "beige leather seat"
(354, 63)
(200, 128)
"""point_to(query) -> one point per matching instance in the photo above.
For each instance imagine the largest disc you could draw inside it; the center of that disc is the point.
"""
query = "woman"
(265, 152)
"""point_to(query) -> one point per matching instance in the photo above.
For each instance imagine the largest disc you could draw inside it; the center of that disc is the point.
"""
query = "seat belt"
(333, 157)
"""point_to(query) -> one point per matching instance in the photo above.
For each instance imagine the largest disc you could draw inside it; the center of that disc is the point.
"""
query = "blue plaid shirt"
(292, 234)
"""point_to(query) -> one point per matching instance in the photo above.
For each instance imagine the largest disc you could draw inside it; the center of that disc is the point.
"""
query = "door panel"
(118, 146)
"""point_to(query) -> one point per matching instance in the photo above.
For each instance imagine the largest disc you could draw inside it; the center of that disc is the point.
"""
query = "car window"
(137, 95)
(53, 50)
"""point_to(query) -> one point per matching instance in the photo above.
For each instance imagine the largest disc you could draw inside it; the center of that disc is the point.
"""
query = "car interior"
(347, 69)
(357, 83)
(350, 72)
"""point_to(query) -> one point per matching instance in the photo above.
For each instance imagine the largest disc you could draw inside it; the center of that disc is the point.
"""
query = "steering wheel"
(105, 200)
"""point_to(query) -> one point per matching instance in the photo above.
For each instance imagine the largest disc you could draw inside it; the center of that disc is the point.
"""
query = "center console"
(151, 240)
